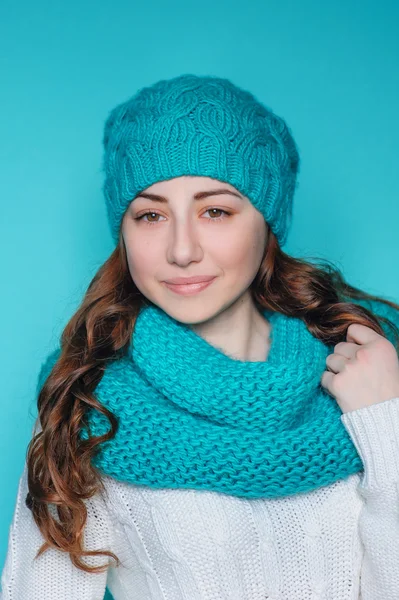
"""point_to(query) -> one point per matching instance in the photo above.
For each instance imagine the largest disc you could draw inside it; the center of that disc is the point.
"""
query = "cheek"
(240, 252)
(142, 258)
(243, 253)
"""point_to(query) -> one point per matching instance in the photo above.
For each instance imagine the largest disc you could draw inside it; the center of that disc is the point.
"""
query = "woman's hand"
(362, 371)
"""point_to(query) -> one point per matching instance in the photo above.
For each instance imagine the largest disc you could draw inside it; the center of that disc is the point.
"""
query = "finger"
(361, 334)
(326, 381)
(347, 349)
(336, 363)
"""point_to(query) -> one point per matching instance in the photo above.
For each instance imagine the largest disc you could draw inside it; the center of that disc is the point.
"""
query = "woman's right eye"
(148, 213)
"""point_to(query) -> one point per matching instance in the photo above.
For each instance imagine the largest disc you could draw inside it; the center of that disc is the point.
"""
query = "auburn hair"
(59, 465)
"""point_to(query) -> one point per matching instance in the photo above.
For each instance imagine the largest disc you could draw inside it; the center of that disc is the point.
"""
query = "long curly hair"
(60, 472)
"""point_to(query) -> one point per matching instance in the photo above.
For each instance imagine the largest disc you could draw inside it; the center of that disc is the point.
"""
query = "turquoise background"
(330, 69)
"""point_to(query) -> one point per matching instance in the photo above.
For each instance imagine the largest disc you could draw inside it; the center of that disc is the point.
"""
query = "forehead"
(188, 183)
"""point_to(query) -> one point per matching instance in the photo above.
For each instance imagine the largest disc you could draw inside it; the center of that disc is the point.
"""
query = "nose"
(184, 243)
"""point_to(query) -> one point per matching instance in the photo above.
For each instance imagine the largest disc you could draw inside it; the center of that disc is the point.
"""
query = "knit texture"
(201, 126)
(339, 542)
(191, 416)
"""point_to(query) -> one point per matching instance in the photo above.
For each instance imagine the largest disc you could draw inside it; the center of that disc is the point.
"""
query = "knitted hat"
(204, 126)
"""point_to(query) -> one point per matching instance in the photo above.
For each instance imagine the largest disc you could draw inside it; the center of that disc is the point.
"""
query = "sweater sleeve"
(375, 433)
(53, 575)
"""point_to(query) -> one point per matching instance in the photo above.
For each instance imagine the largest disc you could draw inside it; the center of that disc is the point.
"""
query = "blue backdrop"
(330, 69)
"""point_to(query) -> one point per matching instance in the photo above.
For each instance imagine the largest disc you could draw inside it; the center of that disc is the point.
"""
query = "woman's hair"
(60, 472)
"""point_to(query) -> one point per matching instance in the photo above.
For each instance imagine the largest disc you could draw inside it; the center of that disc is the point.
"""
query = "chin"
(195, 314)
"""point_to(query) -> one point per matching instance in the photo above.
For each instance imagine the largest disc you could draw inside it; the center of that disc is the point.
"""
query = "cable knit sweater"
(339, 542)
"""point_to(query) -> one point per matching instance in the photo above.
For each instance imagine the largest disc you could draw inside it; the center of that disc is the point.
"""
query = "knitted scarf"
(191, 416)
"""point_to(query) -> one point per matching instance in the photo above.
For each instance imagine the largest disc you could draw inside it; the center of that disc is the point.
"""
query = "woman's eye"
(209, 210)
(140, 218)
(220, 210)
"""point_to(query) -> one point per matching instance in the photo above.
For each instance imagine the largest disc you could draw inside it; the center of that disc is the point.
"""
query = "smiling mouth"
(188, 289)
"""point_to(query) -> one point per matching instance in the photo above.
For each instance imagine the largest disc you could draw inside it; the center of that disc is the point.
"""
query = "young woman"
(233, 436)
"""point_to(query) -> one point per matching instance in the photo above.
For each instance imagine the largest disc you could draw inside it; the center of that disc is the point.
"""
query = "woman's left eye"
(218, 210)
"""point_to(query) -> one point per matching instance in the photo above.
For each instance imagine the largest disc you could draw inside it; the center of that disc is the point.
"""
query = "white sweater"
(339, 542)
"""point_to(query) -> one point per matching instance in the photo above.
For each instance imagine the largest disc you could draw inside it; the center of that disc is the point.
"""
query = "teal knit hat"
(204, 126)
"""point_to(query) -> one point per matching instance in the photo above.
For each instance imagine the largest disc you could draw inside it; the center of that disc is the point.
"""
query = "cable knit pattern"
(338, 542)
(204, 126)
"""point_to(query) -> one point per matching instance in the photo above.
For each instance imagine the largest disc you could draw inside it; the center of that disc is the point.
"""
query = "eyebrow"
(197, 196)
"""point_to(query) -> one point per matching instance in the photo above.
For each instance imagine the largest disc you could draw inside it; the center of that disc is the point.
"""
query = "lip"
(189, 280)
(189, 289)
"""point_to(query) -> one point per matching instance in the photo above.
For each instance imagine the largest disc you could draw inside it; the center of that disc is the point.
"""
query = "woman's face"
(188, 237)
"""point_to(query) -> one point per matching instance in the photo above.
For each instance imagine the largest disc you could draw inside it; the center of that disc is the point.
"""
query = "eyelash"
(153, 212)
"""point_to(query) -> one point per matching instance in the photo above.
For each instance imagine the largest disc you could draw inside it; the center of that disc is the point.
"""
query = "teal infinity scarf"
(192, 417)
